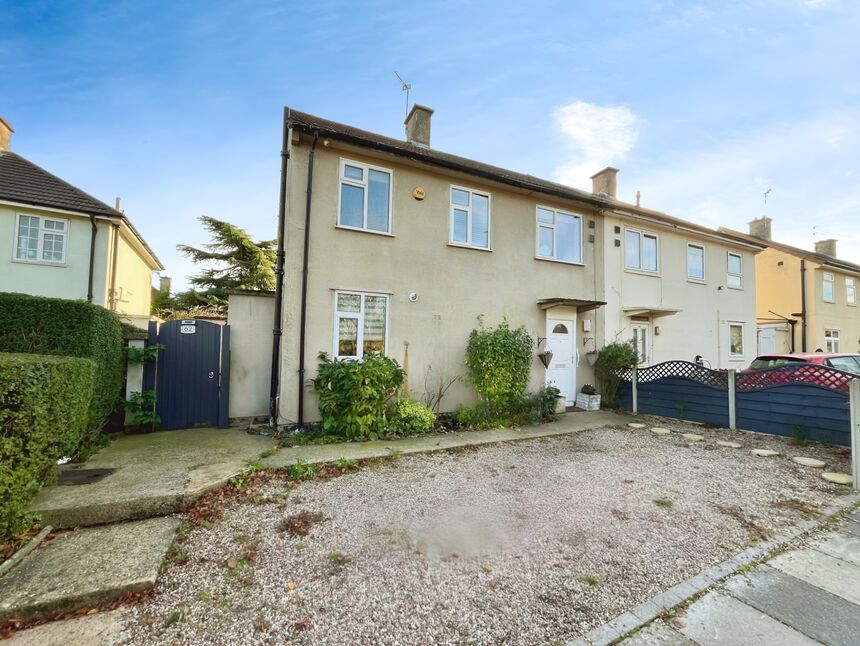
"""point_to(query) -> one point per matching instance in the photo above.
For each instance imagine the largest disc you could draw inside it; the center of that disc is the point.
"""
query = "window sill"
(696, 281)
(642, 272)
(43, 263)
(736, 357)
(829, 302)
(357, 230)
(740, 289)
(460, 245)
(563, 262)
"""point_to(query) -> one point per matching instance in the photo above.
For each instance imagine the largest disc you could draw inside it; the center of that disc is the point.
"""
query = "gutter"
(95, 230)
(112, 297)
(803, 305)
(303, 319)
(277, 329)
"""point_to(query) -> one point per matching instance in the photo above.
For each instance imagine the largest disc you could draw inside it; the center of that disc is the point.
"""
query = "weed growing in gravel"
(300, 524)
(176, 616)
(793, 504)
(393, 455)
(799, 435)
(738, 514)
(337, 559)
(241, 480)
(302, 470)
(591, 580)
(664, 502)
(346, 464)
(204, 596)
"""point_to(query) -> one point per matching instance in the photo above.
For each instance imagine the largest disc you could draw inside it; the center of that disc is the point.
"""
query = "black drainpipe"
(303, 316)
(92, 258)
(277, 330)
(803, 305)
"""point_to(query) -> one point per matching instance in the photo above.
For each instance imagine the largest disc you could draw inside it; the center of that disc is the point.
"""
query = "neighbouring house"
(805, 300)
(64, 243)
(408, 247)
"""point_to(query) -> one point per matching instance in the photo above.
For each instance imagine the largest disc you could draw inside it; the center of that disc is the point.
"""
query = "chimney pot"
(5, 134)
(418, 125)
(826, 247)
(760, 228)
(605, 182)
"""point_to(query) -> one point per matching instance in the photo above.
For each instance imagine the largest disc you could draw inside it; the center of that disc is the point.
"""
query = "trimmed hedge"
(44, 415)
(55, 326)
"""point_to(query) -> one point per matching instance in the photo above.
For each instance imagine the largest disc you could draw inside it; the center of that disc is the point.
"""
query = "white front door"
(561, 341)
(642, 341)
(767, 341)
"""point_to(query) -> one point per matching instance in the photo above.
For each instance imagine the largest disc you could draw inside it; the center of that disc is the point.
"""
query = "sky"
(176, 106)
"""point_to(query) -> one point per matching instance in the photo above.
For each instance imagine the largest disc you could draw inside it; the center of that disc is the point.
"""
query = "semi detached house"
(404, 248)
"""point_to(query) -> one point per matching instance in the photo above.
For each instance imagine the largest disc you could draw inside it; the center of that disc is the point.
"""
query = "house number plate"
(187, 329)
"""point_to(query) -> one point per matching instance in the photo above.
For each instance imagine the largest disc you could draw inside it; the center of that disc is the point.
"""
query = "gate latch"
(211, 375)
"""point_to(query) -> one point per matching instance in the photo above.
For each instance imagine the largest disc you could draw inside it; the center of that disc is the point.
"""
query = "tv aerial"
(405, 87)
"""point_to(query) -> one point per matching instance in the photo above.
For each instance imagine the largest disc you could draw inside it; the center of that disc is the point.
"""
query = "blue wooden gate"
(191, 375)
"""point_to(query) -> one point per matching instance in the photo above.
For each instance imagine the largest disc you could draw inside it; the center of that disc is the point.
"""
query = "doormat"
(82, 476)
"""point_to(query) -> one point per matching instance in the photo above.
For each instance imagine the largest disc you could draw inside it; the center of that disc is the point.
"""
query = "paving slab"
(102, 629)
(657, 633)
(837, 478)
(806, 608)
(720, 620)
(86, 568)
(841, 545)
(636, 425)
(826, 572)
(809, 462)
(849, 526)
(659, 430)
(764, 453)
(728, 445)
(693, 437)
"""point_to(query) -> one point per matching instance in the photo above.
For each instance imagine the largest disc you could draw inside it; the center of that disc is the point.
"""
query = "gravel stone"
(518, 543)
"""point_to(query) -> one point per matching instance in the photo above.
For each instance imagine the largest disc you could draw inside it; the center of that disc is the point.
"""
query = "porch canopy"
(579, 304)
(650, 311)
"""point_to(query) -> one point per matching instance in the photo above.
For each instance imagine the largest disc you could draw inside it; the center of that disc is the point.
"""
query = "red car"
(806, 367)
(841, 361)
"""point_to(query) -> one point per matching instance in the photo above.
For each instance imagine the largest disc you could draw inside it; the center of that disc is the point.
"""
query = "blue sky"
(176, 107)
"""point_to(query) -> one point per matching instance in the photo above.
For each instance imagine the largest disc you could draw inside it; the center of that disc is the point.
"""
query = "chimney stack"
(418, 125)
(760, 228)
(605, 182)
(5, 134)
(826, 247)
(164, 285)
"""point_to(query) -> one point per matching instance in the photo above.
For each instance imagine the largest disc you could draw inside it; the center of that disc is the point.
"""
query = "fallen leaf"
(92, 611)
(231, 563)
(291, 585)
(302, 624)
(488, 568)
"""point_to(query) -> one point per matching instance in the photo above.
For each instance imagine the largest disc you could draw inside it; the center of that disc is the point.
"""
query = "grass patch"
(591, 580)
(664, 502)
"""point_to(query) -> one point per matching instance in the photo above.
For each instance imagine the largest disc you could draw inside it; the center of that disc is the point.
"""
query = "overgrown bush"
(55, 326)
(352, 395)
(407, 417)
(611, 360)
(44, 415)
(499, 362)
(525, 409)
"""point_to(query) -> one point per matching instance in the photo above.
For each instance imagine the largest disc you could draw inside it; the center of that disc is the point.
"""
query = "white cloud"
(817, 4)
(598, 136)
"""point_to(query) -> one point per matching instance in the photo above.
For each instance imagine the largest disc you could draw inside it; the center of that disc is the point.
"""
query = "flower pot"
(591, 357)
(560, 405)
(588, 402)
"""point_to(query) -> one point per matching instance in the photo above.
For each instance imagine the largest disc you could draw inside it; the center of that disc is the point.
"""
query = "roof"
(24, 182)
(828, 261)
(305, 122)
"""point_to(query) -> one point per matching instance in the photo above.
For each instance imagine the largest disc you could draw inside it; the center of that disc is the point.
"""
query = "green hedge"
(55, 326)
(44, 415)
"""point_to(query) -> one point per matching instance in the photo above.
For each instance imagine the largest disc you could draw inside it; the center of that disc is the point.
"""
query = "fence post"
(854, 404)
(634, 383)
(733, 375)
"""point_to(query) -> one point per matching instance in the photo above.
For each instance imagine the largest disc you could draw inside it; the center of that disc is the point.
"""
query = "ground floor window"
(736, 339)
(831, 340)
(360, 324)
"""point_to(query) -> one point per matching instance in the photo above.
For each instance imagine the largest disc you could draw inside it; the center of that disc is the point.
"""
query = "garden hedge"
(56, 326)
(44, 415)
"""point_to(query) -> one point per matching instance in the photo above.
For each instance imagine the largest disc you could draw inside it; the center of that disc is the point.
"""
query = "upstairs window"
(40, 239)
(365, 197)
(640, 250)
(470, 218)
(360, 324)
(828, 288)
(695, 262)
(559, 235)
(850, 292)
(735, 271)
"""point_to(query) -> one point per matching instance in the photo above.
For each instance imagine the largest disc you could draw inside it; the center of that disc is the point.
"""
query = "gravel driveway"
(522, 543)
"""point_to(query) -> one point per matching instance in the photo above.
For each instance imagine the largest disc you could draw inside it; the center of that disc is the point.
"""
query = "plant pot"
(591, 357)
(588, 402)
(560, 405)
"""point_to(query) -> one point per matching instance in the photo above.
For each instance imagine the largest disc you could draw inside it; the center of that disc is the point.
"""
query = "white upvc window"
(695, 262)
(559, 235)
(360, 324)
(850, 292)
(734, 270)
(827, 294)
(470, 218)
(736, 340)
(641, 250)
(364, 201)
(41, 239)
(831, 340)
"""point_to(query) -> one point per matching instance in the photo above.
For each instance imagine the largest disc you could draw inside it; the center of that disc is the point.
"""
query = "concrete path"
(805, 596)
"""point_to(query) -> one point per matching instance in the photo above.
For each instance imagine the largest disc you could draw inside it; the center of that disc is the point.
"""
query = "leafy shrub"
(610, 361)
(352, 395)
(141, 405)
(55, 326)
(406, 417)
(499, 362)
(542, 404)
(588, 389)
(44, 415)
(525, 409)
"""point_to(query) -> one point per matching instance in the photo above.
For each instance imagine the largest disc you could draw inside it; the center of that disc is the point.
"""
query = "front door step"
(86, 568)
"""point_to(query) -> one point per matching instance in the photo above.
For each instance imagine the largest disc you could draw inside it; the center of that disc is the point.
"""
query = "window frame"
(642, 235)
(342, 179)
(694, 279)
(40, 246)
(742, 326)
(824, 282)
(452, 206)
(834, 336)
(850, 288)
(338, 315)
(730, 274)
(538, 224)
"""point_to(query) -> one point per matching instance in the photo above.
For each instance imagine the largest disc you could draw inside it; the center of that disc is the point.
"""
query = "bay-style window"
(360, 324)
(470, 218)
(640, 250)
(827, 288)
(365, 197)
(734, 270)
(559, 235)
(695, 262)
(41, 239)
